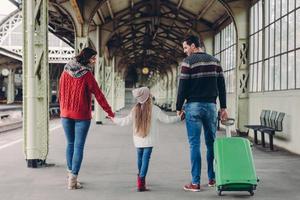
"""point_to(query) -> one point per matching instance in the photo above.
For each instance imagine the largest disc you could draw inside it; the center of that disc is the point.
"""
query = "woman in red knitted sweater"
(76, 86)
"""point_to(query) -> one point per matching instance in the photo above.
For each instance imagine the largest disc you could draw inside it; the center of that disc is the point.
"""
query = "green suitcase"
(234, 166)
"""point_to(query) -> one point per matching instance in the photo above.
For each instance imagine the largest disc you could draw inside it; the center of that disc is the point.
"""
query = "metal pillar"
(209, 43)
(119, 92)
(167, 89)
(174, 88)
(11, 87)
(113, 99)
(57, 89)
(116, 92)
(162, 89)
(99, 76)
(123, 93)
(109, 85)
(240, 15)
(171, 88)
(35, 82)
(81, 43)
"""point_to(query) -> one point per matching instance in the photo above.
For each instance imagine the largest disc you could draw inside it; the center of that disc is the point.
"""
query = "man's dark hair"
(85, 55)
(192, 39)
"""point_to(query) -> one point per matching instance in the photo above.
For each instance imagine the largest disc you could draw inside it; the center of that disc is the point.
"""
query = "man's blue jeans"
(76, 132)
(143, 158)
(200, 115)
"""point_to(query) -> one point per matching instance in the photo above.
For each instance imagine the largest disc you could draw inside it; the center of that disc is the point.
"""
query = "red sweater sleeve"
(94, 88)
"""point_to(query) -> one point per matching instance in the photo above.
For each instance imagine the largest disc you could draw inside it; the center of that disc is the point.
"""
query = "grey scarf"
(75, 69)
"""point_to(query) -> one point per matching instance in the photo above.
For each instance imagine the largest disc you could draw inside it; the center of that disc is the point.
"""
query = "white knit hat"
(141, 94)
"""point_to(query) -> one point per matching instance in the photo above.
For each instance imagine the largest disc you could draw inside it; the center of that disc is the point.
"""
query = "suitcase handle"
(228, 121)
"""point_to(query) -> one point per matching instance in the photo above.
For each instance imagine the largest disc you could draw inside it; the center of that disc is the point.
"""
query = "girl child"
(144, 116)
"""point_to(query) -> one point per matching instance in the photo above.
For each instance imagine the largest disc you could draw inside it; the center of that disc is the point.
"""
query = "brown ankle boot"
(72, 182)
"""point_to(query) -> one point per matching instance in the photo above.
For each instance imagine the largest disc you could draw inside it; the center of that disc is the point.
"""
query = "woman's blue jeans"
(143, 158)
(198, 115)
(76, 132)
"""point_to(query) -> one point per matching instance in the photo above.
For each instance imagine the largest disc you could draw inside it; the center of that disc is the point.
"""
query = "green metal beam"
(35, 82)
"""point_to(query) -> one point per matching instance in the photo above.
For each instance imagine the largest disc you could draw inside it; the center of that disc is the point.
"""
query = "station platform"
(109, 171)
(10, 107)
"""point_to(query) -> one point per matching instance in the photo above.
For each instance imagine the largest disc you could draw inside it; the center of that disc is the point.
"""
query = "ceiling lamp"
(145, 70)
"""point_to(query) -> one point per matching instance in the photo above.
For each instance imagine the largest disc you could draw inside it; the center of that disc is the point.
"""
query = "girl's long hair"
(142, 118)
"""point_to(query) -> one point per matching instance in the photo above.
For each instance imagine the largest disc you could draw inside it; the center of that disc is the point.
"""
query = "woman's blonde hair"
(142, 118)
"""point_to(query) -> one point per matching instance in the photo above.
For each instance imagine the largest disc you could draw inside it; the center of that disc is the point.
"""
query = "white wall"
(231, 108)
(281, 101)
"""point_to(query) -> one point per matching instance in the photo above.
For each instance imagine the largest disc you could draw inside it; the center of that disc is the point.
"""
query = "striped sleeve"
(221, 87)
(184, 83)
(185, 70)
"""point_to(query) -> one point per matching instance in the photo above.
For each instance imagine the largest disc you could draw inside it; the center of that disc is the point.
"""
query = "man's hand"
(223, 114)
(181, 114)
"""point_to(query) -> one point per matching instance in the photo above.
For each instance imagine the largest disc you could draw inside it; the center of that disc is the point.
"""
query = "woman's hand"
(113, 115)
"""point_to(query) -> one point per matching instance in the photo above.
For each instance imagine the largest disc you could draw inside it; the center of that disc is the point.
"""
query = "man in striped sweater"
(201, 82)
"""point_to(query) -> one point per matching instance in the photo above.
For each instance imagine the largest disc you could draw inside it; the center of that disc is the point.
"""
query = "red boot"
(143, 184)
(139, 183)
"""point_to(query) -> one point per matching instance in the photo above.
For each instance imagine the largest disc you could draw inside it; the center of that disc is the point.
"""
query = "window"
(298, 69)
(274, 62)
(284, 72)
(277, 72)
(254, 77)
(284, 34)
(267, 71)
(225, 51)
(271, 74)
(291, 31)
(291, 70)
(259, 77)
(298, 28)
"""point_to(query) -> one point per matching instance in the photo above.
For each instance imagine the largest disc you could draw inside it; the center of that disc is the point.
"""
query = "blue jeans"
(76, 132)
(143, 158)
(200, 115)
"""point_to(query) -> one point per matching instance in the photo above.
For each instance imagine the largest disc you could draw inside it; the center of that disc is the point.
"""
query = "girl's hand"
(182, 115)
(110, 118)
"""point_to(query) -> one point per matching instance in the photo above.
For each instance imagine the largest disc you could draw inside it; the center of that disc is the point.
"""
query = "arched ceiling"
(150, 32)
(60, 23)
(142, 32)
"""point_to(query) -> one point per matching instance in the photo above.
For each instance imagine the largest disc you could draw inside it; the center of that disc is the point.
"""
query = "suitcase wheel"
(251, 192)
(220, 192)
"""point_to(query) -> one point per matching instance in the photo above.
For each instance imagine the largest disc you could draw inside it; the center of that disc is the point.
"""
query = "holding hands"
(223, 114)
(181, 114)
(110, 117)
